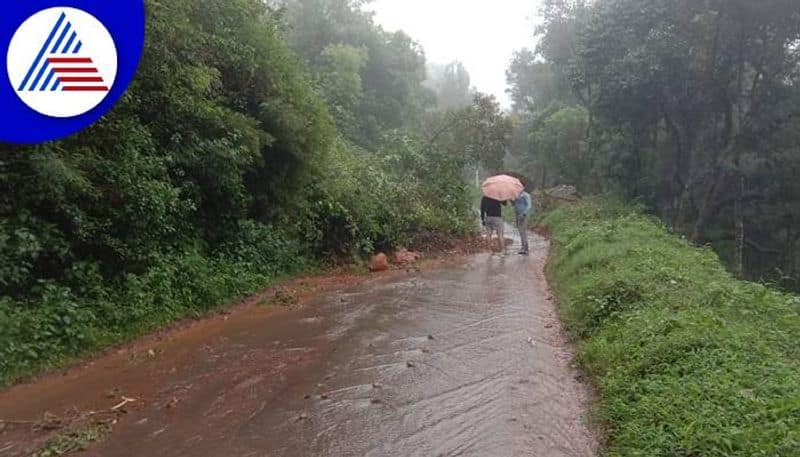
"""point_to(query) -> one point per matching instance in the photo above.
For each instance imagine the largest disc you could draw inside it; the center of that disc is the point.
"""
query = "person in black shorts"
(492, 219)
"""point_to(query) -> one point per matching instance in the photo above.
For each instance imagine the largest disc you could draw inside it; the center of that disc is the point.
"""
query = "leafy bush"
(687, 360)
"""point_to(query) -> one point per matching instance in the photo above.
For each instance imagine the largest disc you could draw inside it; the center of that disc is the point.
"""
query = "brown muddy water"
(468, 359)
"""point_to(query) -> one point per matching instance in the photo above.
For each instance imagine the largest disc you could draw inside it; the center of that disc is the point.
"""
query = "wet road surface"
(464, 360)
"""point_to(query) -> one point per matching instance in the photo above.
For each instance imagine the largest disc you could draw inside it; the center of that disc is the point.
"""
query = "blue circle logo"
(67, 64)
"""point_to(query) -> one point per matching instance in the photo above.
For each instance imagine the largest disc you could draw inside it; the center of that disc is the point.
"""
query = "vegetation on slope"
(687, 359)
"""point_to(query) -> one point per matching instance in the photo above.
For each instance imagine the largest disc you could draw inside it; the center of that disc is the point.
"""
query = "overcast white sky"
(483, 34)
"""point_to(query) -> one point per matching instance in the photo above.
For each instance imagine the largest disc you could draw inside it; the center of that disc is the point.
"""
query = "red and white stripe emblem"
(78, 74)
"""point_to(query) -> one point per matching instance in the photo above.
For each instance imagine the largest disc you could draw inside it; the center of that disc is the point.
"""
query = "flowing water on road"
(463, 360)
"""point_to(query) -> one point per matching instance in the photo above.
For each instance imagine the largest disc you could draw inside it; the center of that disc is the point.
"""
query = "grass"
(687, 360)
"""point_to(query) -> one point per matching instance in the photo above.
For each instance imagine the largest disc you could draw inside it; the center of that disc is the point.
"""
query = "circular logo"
(62, 62)
(67, 63)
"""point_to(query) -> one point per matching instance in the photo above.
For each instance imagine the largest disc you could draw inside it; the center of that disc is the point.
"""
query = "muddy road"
(463, 360)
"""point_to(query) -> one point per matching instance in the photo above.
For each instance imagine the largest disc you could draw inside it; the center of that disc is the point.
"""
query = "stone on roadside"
(404, 256)
(378, 262)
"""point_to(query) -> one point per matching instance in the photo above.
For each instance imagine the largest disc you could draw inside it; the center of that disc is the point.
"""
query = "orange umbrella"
(502, 188)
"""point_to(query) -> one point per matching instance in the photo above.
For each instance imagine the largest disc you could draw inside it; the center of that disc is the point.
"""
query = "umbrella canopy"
(502, 188)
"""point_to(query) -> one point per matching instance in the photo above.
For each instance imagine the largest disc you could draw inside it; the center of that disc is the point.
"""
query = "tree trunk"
(682, 207)
(544, 176)
(707, 205)
(682, 171)
(738, 257)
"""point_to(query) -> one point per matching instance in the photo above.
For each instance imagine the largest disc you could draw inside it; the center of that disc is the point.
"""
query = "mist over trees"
(690, 108)
(534, 84)
(451, 85)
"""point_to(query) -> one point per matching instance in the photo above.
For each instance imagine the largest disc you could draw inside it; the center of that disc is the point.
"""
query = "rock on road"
(463, 360)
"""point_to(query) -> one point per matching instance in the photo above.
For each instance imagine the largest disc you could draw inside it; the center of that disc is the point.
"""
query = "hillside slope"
(687, 360)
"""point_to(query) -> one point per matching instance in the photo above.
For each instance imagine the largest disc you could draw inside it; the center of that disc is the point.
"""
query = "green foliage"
(435, 170)
(477, 135)
(340, 75)
(687, 360)
(362, 207)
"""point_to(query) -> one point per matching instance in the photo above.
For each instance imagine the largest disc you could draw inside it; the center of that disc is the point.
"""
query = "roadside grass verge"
(686, 359)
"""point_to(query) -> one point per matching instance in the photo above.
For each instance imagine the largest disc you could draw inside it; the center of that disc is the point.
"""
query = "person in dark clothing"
(492, 219)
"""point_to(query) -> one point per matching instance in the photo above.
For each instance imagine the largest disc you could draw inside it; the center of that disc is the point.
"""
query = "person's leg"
(501, 235)
(490, 231)
(494, 226)
(522, 226)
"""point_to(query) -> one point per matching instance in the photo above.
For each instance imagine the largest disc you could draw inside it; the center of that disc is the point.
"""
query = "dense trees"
(692, 108)
(253, 142)
(392, 73)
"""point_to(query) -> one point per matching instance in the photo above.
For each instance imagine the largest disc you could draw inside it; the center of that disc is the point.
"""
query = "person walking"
(522, 208)
(492, 219)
